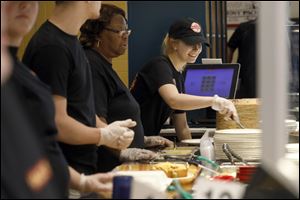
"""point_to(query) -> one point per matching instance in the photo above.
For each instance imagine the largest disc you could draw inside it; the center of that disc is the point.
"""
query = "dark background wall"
(150, 22)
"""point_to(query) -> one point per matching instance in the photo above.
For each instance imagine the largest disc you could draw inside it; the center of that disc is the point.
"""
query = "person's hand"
(152, 141)
(101, 182)
(135, 154)
(117, 135)
(225, 107)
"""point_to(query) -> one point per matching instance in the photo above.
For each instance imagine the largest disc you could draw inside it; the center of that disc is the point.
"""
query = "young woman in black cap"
(104, 39)
(159, 86)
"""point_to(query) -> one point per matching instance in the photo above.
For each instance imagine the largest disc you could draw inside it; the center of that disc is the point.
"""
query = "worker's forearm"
(75, 133)
(184, 134)
(74, 179)
(190, 102)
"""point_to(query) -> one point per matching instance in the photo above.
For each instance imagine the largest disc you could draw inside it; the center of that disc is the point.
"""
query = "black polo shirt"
(113, 101)
(38, 104)
(154, 110)
(244, 38)
(59, 61)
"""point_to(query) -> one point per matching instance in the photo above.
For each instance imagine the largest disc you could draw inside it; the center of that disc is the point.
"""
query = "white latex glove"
(135, 154)
(152, 141)
(101, 182)
(117, 135)
(225, 107)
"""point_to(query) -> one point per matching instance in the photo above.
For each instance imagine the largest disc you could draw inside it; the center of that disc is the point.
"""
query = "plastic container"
(245, 173)
(206, 147)
(224, 178)
(122, 187)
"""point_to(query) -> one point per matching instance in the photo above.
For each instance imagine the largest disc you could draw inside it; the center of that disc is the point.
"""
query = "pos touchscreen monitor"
(211, 79)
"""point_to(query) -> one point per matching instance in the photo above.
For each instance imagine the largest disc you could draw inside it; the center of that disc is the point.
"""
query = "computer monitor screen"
(211, 79)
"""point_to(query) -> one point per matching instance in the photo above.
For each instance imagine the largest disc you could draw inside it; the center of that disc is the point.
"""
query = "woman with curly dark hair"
(104, 39)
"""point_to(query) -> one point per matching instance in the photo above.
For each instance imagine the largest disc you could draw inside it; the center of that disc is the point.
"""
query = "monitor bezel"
(235, 77)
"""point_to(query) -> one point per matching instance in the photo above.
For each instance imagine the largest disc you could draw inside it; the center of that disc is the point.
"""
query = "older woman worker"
(104, 39)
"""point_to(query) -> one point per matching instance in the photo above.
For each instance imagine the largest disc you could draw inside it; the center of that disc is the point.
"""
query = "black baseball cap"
(188, 30)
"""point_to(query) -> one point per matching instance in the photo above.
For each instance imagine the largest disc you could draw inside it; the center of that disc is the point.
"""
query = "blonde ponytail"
(165, 45)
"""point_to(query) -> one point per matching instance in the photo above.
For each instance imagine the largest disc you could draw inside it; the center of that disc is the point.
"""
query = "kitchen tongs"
(231, 154)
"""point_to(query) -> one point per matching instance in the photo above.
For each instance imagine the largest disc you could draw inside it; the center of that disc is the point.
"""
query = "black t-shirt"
(38, 98)
(154, 110)
(25, 169)
(244, 38)
(113, 101)
(38, 104)
(59, 61)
